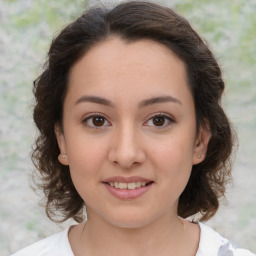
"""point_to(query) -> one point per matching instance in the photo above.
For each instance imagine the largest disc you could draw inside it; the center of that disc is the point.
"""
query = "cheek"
(174, 151)
(85, 159)
(85, 165)
(173, 161)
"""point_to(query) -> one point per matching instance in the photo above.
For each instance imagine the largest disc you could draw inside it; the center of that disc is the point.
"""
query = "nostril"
(125, 165)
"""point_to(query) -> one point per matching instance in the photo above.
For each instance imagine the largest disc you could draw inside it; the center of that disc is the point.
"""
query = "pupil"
(158, 121)
(98, 121)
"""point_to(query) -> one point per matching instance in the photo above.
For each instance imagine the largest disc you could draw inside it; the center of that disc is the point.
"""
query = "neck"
(166, 235)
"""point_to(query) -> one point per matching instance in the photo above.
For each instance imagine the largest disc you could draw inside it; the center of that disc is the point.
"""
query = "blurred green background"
(27, 28)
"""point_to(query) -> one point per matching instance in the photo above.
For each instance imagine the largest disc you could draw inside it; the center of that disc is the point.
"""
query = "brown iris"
(159, 121)
(98, 121)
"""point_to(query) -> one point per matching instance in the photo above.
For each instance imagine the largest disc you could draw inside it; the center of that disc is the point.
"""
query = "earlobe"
(201, 144)
(63, 158)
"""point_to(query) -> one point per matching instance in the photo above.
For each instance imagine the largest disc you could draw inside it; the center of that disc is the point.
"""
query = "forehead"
(141, 66)
(115, 53)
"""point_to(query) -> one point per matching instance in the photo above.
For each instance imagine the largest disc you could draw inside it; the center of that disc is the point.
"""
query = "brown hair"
(133, 20)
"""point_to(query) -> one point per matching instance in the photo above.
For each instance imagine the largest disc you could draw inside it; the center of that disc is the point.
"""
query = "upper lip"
(126, 179)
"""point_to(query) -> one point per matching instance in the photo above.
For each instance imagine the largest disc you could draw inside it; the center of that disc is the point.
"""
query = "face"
(129, 131)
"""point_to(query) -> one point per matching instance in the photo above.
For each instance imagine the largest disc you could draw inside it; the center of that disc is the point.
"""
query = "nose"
(126, 148)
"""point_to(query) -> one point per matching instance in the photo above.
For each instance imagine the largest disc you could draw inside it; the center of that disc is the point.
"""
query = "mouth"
(128, 185)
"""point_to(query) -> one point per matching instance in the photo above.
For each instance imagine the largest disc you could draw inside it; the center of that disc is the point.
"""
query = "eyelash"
(90, 117)
(167, 118)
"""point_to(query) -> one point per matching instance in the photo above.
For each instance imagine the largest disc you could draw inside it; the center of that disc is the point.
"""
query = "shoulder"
(212, 243)
(55, 245)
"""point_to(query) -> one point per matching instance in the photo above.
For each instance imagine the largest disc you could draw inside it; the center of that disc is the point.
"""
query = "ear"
(63, 158)
(201, 144)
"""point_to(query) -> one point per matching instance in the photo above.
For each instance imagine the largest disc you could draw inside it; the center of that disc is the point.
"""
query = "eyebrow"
(144, 103)
(160, 99)
(95, 99)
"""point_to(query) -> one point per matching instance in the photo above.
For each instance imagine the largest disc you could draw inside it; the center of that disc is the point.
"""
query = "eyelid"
(91, 115)
(162, 114)
(98, 114)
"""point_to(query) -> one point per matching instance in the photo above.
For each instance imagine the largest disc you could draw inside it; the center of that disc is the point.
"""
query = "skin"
(129, 141)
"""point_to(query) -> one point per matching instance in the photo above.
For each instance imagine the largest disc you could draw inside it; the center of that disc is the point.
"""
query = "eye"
(160, 120)
(96, 121)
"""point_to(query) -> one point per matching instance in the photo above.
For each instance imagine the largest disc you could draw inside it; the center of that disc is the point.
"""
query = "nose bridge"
(126, 138)
(127, 148)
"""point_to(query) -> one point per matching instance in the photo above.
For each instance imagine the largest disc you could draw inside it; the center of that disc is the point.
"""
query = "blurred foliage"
(27, 29)
(41, 17)
(230, 28)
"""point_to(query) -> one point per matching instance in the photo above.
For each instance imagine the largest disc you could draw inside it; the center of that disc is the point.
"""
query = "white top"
(211, 244)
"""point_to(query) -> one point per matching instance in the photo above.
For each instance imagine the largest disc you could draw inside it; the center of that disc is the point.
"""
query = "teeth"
(130, 185)
(122, 185)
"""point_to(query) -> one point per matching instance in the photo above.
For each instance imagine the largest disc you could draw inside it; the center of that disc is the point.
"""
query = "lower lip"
(126, 194)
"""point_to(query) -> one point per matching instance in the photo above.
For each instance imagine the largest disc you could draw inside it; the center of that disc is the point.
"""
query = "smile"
(130, 185)
(126, 188)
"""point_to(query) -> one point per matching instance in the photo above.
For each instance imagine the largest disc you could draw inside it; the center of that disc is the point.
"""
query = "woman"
(131, 126)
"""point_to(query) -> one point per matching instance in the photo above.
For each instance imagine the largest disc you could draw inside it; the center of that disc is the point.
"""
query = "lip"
(127, 179)
(127, 194)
